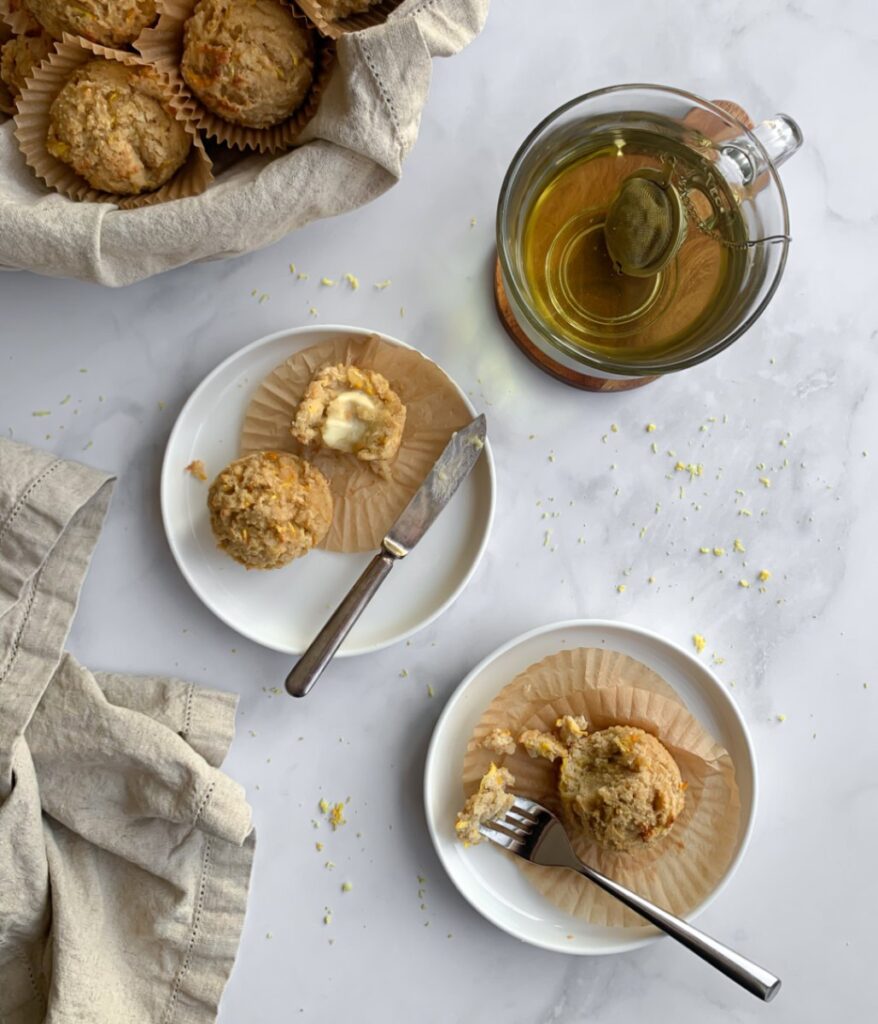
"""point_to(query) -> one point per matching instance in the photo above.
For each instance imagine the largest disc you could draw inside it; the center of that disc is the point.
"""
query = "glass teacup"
(724, 253)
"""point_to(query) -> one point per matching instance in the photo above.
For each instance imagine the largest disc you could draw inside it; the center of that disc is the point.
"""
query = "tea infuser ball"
(645, 224)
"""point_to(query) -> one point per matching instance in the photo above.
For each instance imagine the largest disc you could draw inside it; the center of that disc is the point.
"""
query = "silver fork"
(531, 831)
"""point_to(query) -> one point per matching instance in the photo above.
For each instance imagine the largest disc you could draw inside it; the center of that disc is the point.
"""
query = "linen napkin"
(352, 152)
(125, 853)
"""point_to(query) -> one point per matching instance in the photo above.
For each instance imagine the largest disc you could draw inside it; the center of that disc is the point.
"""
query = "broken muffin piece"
(352, 410)
(499, 741)
(542, 744)
(490, 801)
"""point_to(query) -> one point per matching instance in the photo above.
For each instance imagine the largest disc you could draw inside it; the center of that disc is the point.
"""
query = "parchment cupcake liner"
(365, 505)
(377, 14)
(609, 688)
(162, 45)
(21, 21)
(32, 124)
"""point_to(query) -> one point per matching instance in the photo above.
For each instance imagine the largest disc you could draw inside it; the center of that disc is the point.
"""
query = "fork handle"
(741, 970)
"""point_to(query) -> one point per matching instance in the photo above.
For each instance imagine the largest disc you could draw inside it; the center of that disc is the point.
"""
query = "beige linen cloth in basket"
(125, 853)
(365, 127)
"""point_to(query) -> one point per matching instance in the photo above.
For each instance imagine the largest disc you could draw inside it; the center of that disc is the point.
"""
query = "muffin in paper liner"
(162, 45)
(366, 505)
(376, 14)
(609, 688)
(32, 123)
(14, 21)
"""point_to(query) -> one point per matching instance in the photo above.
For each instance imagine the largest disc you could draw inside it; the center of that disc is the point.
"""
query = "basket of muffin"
(334, 443)
(132, 102)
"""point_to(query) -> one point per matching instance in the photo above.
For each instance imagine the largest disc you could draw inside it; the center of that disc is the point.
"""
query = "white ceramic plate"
(489, 879)
(284, 609)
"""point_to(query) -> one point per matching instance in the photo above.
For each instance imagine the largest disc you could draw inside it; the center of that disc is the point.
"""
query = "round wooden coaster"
(583, 381)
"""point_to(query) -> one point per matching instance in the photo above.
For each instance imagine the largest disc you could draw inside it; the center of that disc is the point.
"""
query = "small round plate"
(284, 609)
(489, 879)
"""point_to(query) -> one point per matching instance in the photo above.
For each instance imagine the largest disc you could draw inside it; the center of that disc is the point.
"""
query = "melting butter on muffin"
(352, 410)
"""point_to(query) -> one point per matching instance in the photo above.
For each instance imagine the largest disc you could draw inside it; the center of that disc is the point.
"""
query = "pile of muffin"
(151, 76)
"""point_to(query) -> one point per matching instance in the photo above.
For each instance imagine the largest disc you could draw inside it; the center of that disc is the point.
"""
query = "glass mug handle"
(780, 137)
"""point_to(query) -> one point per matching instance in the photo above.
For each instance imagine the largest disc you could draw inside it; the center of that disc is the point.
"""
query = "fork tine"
(503, 839)
(509, 828)
(524, 806)
(519, 819)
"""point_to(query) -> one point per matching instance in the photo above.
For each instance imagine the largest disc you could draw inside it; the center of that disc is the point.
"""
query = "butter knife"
(449, 471)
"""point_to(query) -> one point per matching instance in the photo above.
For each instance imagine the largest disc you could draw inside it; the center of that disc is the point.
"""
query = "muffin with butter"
(109, 22)
(352, 410)
(250, 62)
(269, 508)
(114, 125)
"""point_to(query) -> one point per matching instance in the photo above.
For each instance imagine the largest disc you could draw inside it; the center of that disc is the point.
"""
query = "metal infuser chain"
(647, 221)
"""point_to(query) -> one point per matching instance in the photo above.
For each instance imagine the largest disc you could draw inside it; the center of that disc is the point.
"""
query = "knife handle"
(310, 666)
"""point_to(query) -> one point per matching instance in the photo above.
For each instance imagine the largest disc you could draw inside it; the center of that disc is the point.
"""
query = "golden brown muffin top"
(268, 508)
(250, 62)
(110, 22)
(622, 785)
(113, 125)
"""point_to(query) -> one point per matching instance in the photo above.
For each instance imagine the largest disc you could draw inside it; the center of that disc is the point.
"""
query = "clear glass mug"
(744, 158)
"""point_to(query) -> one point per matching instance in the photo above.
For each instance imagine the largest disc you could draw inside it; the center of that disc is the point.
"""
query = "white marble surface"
(803, 901)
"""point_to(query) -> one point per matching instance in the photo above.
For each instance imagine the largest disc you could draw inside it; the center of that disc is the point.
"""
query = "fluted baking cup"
(32, 125)
(377, 14)
(18, 18)
(365, 505)
(163, 46)
(609, 688)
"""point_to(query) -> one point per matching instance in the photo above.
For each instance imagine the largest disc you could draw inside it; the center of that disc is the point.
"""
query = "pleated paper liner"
(163, 46)
(32, 124)
(678, 871)
(376, 14)
(365, 505)
(18, 18)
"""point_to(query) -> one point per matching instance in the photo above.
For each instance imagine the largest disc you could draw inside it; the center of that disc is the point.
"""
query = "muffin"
(114, 125)
(490, 801)
(352, 410)
(115, 23)
(335, 10)
(621, 786)
(268, 508)
(19, 56)
(250, 62)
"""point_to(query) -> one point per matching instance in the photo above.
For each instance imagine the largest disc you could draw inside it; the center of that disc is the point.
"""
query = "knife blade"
(448, 472)
(437, 489)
